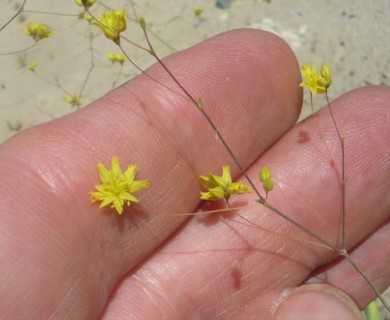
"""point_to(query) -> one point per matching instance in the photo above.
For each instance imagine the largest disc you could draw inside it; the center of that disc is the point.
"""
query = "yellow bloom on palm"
(221, 187)
(112, 23)
(117, 187)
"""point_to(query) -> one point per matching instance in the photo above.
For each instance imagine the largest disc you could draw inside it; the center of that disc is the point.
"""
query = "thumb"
(317, 301)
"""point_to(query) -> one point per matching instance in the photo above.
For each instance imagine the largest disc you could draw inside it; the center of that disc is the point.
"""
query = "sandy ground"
(351, 36)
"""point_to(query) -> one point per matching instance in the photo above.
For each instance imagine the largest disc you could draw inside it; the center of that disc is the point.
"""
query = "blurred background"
(351, 36)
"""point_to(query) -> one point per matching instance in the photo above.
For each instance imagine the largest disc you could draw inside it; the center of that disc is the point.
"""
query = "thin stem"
(147, 74)
(213, 211)
(21, 50)
(343, 181)
(56, 84)
(14, 16)
(298, 225)
(91, 66)
(119, 74)
(52, 13)
(311, 103)
(368, 280)
(157, 36)
(132, 62)
(319, 244)
(199, 105)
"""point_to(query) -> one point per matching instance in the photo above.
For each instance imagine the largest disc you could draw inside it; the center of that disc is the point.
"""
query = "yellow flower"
(38, 31)
(74, 100)
(265, 177)
(32, 66)
(112, 23)
(221, 187)
(85, 3)
(316, 82)
(117, 187)
(116, 57)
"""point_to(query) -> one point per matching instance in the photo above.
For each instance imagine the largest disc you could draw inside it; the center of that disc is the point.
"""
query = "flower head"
(316, 82)
(112, 23)
(221, 187)
(38, 31)
(117, 187)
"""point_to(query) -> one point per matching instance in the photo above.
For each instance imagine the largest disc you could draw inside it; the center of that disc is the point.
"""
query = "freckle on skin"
(236, 275)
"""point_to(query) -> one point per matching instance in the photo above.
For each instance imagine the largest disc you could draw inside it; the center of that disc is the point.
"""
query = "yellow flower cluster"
(117, 187)
(38, 31)
(221, 187)
(116, 57)
(316, 82)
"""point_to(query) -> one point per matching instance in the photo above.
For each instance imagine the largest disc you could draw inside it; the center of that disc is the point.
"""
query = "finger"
(313, 301)
(373, 257)
(75, 253)
(213, 270)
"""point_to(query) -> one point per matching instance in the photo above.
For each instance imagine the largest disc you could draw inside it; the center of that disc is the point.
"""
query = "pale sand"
(351, 36)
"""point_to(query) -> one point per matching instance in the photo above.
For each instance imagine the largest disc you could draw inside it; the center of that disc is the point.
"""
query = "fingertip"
(317, 301)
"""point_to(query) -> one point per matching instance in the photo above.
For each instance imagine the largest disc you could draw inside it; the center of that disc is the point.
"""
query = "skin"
(63, 257)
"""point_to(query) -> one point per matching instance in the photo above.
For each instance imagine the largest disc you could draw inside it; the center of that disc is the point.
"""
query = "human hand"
(63, 257)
